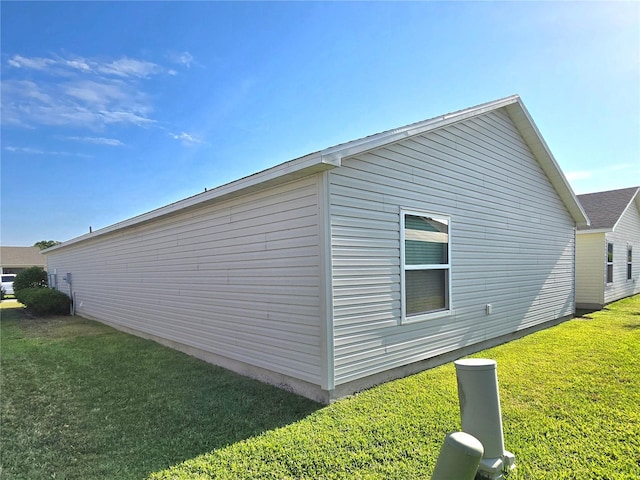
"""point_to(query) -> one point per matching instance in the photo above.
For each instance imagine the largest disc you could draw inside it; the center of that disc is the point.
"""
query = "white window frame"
(609, 263)
(629, 271)
(403, 267)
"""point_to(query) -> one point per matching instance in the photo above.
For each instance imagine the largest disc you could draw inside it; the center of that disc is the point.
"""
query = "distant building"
(605, 270)
(16, 259)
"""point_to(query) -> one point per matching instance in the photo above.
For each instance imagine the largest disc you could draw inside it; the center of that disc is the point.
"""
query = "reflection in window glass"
(426, 263)
(609, 262)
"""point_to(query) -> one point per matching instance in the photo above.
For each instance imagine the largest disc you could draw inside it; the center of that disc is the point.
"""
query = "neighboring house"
(350, 266)
(605, 268)
(16, 259)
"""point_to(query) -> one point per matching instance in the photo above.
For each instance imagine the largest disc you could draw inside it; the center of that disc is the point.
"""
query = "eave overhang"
(332, 157)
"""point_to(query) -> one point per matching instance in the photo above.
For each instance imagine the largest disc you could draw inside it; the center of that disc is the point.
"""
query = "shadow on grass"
(101, 403)
(584, 313)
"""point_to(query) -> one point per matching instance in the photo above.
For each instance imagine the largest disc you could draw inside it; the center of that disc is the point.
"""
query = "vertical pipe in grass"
(480, 413)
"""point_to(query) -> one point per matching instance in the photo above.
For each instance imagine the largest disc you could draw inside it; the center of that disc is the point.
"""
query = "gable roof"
(606, 208)
(332, 157)
(21, 257)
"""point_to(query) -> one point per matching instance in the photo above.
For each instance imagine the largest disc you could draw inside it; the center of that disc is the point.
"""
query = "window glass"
(609, 262)
(425, 291)
(426, 240)
(425, 256)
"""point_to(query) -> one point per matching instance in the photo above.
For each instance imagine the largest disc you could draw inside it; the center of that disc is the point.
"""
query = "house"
(604, 250)
(350, 266)
(16, 259)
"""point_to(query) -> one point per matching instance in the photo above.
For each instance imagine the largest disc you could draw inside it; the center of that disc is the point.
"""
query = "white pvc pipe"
(459, 457)
(480, 412)
(480, 403)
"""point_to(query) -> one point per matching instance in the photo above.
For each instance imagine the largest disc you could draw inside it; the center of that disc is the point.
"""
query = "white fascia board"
(356, 147)
(529, 131)
(595, 230)
(299, 167)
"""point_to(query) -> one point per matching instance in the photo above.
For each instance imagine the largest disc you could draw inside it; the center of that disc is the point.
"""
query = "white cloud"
(182, 58)
(83, 104)
(596, 173)
(114, 116)
(30, 150)
(186, 138)
(125, 67)
(27, 89)
(122, 67)
(623, 166)
(38, 151)
(88, 100)
(579, 175)
(111, 142)
(78, 64)
(34, 63)
(76, 91)
(97, 93)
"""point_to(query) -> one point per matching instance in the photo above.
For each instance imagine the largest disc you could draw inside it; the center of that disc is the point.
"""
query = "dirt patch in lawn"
(54, 326)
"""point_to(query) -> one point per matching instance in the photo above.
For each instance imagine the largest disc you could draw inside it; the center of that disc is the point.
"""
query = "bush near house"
(30, 289)
(32, 277)
(44, 301)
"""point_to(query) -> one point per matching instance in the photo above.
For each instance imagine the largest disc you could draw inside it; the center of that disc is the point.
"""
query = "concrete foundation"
(315, 392)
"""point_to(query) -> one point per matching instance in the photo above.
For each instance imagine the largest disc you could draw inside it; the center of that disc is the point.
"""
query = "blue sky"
(113, 109)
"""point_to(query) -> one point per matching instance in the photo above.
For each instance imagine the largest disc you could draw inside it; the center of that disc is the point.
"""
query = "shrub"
(24, 295)
(32, 277)
(44, 301)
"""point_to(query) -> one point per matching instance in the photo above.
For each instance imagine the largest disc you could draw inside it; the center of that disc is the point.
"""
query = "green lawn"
(80, 400)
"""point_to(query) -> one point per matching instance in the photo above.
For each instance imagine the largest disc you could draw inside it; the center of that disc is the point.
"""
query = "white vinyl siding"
(626, 233)
(238, 278)
(591, 253)
(513, 244)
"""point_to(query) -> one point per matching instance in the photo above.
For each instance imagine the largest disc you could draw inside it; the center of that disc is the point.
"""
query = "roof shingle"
(21, 257)
(605, 208)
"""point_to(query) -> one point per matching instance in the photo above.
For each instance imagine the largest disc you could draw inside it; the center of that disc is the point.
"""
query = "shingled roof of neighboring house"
(21, 257)
(605, 208)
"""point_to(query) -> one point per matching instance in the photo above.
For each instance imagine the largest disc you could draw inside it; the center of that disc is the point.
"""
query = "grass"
(83, 401)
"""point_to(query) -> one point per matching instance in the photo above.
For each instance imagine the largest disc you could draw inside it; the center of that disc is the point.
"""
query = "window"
(425, 256)
(609, 262)
(629, 262)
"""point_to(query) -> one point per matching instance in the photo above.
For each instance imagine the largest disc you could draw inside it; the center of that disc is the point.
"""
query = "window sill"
(425, 317)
